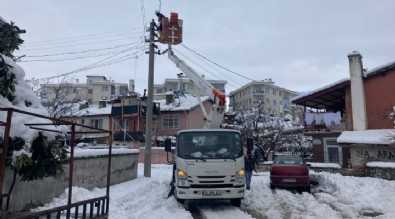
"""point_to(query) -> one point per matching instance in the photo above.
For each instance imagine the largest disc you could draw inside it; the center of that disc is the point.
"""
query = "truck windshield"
(209, 145)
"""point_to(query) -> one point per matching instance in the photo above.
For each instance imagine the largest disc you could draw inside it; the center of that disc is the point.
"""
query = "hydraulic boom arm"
(216, 114)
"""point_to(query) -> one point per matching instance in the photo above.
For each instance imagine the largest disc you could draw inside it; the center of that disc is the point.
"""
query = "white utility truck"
(208, 162)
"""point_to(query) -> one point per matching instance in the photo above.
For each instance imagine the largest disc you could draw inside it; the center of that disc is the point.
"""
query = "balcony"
(326, 128)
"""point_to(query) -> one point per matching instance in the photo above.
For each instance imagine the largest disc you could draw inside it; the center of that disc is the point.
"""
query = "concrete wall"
(158, 155)
(89, 173)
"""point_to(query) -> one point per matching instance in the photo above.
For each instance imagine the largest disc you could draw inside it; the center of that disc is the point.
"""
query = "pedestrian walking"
(250, 165)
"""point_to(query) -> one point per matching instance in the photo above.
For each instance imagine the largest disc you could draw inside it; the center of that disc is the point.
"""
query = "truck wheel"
(236, 202)
(181, 201)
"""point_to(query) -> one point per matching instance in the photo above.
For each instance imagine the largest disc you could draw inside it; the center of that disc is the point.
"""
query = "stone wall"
(380, 172)
(89, 173)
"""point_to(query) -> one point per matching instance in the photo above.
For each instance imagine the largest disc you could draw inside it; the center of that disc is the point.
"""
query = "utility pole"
(148, 123)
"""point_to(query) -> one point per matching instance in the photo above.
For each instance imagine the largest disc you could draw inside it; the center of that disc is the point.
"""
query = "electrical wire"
(82, 36)
(79, 44)
(211, 73)
(73, 53)
(143, 15)
(76, 40)
(227, 69)
(237, 84)
(100, 63)
(71, 58)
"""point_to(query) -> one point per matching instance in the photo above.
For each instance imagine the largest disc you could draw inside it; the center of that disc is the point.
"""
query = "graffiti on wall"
(361, 155)
(89, 172)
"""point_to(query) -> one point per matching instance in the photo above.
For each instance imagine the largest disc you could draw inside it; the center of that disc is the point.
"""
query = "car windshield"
(209, 145)
(288, 160)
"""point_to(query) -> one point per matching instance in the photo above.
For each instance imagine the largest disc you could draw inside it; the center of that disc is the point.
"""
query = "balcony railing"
(326, 128)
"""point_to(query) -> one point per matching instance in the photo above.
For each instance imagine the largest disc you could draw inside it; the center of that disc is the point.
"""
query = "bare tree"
(270, 133)
(61, 99)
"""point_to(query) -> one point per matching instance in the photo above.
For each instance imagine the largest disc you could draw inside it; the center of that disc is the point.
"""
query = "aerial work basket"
(171, 30)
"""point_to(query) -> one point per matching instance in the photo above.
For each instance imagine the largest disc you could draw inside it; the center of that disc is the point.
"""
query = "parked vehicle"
(289, 171)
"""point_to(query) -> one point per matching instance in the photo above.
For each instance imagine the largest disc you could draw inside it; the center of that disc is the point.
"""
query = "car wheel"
(272, 187)
(236, 202)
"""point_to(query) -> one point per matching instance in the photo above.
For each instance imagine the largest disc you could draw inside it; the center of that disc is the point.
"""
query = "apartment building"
(276, 100)
(183, 83)
(95, 89)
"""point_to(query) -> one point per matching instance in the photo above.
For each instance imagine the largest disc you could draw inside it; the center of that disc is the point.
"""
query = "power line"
(216, 69)
(82, 36)
(73, 58)
(143, 14)
(100, 63)
(74, 40)
(79, 44)
(84, 51)
(217, 64)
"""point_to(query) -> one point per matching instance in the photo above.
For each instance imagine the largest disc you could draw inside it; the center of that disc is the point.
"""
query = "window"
(104, 88)
(274, 102)
(280, 93)
(332, 152)
(274, 92)
(97, 123)
(170, 122)
(267, 90)
(121, 125)
(159, 91)
(90, 91)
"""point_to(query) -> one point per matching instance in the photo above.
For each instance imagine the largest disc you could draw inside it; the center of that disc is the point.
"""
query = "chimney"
(179, 76)
(357, 92)
(117, 90)
(131, 85)
(169, 98)
(102, 104)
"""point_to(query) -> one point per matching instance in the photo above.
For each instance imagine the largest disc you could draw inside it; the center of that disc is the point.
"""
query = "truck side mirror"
(168, 145)
(250, 145)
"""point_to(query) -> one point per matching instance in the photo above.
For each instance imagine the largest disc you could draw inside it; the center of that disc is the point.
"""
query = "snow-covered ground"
(336, 196)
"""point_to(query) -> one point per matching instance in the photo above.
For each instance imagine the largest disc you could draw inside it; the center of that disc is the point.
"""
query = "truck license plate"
(211, 192)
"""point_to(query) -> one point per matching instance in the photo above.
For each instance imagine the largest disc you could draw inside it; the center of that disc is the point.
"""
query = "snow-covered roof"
(374, 71)
(320, 89)
(374, 136)
(380, 69)
(181, 103)
(94, 111)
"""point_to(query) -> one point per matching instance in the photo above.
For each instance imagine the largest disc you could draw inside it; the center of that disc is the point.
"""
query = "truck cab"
(209, 164)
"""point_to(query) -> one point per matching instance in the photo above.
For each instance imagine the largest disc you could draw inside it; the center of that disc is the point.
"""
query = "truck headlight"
(240, 178)
(182, 180)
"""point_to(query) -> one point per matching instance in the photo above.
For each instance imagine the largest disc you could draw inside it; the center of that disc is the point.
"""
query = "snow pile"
(336, 196)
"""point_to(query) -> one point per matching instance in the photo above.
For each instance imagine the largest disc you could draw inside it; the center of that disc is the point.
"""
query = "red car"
(289, 171)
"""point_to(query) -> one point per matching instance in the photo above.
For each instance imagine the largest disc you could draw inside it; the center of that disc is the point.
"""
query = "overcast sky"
(301, 45)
